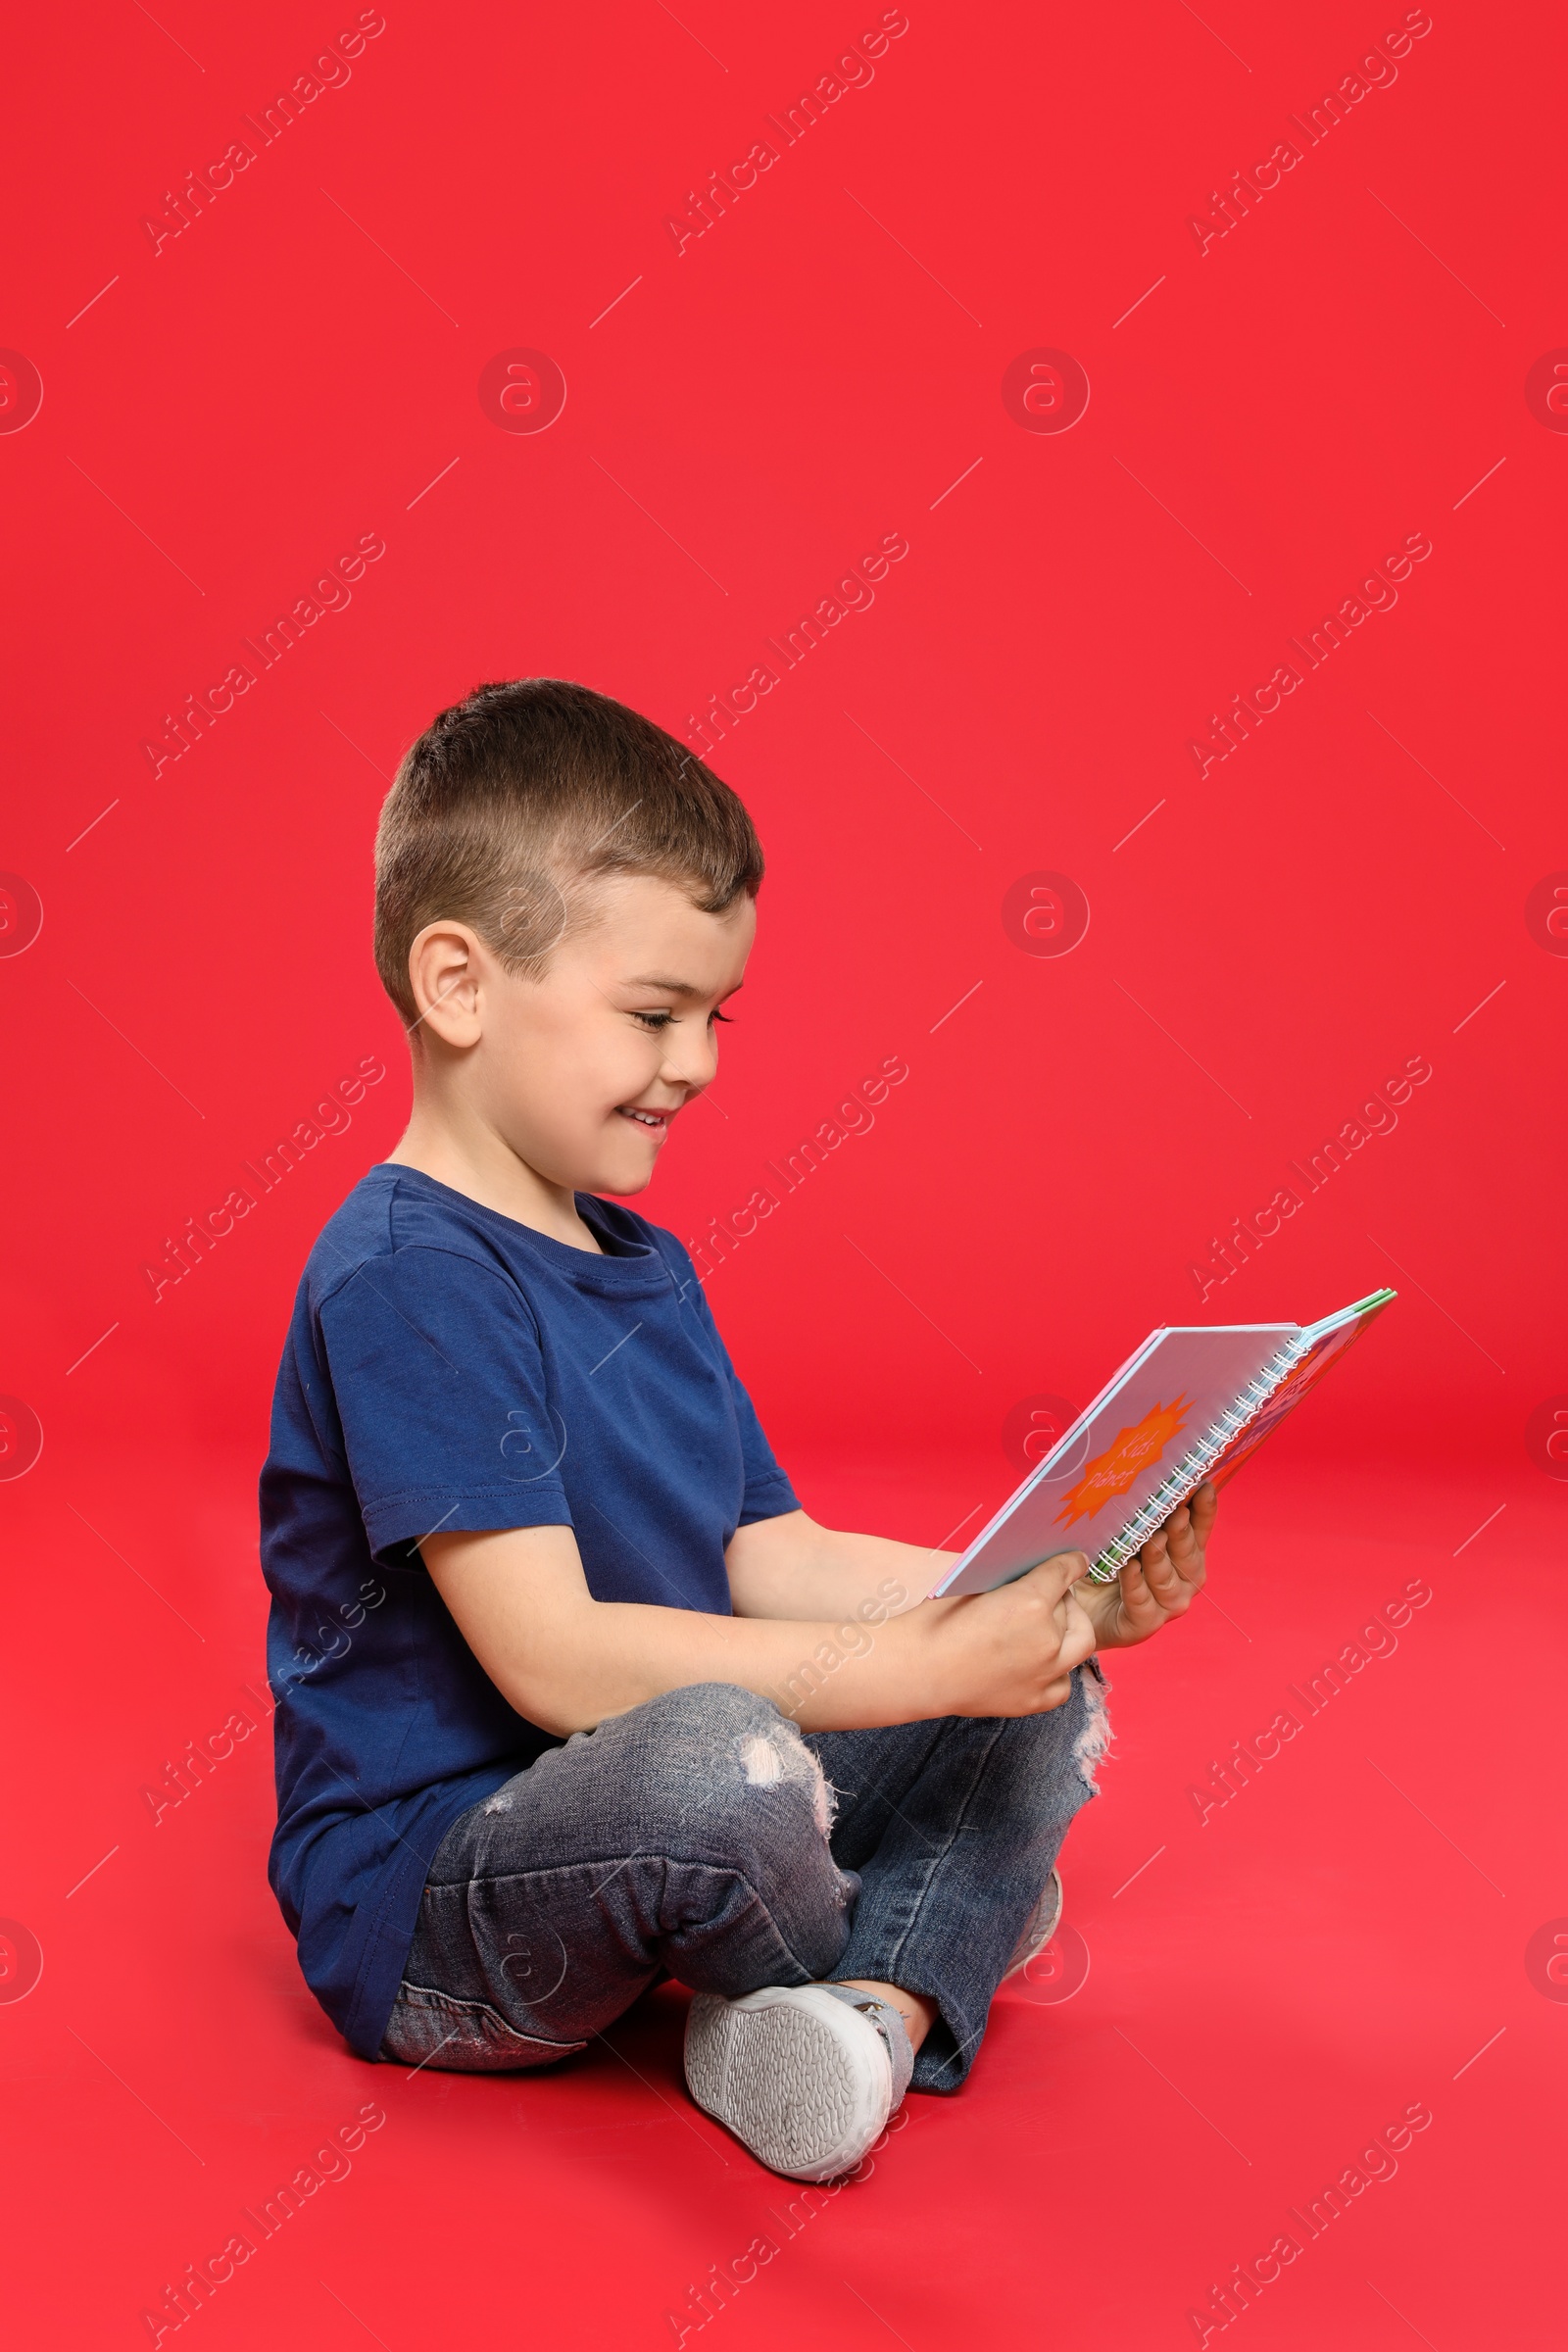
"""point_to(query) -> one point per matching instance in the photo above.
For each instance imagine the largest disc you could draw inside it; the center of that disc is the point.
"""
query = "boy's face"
(581, 1073)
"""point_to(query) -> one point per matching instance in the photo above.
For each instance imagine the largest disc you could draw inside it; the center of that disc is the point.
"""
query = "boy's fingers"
(1139, 1598)
(1079, 1639)
(1061, 1571)
(1186, 1529)
(1183, 1574)
(1181, 1540)
(1164, 1574)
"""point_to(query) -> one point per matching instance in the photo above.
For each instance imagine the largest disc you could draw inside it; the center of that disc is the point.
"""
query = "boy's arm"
(790, 1567)
(565, 1661)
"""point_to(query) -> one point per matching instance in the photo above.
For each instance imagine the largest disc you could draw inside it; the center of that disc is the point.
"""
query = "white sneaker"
(805, 2076)
(1039, 1928)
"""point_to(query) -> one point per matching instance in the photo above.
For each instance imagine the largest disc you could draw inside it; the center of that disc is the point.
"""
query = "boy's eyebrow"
(672, 987)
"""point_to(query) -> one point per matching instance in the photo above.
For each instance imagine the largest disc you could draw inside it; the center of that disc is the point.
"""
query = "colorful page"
(1324, 1343)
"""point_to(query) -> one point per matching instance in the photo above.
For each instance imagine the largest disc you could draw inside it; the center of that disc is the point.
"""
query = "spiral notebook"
(1189, 1406)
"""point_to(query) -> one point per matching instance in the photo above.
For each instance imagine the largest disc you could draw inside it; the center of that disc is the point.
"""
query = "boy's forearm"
(565, 1661)
(848, 1674)
(791, 1568)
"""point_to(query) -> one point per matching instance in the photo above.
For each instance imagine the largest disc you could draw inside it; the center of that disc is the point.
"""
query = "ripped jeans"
(700, 1836)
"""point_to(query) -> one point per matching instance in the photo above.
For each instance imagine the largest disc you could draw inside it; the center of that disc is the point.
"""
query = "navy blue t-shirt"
(450, 1369)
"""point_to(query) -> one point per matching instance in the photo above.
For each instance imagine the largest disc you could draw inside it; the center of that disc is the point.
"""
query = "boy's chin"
(622, 1176)
(620, 1158)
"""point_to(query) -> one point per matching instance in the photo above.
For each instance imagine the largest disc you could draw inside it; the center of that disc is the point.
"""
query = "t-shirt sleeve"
(768, 1492)
(440, 1388)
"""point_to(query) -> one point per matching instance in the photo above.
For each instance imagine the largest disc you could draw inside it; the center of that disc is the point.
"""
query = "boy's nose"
(691, 1062)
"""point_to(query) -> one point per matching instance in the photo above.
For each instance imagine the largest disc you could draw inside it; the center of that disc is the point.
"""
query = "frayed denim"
(701, 1837)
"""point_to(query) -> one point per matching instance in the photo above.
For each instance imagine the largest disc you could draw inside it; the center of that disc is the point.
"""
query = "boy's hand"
(1009, 1652)
(1157, 1583)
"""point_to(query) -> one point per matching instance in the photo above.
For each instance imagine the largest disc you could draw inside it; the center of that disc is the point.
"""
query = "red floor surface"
(1353, 1939)
(1177, 361)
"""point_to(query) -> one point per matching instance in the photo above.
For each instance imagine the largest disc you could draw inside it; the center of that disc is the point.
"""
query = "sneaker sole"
(791, 2073)
(1041, 1936)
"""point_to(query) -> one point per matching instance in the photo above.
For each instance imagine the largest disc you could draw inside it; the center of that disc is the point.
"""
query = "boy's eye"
(655, 1022)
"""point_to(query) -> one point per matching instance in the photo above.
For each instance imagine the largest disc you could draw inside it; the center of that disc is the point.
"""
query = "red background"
(746, 416)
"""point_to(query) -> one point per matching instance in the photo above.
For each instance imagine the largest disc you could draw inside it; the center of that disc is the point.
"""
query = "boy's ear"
(445, 969)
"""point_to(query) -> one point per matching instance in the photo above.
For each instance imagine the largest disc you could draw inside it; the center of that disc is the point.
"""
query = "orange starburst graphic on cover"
(1113, 1472)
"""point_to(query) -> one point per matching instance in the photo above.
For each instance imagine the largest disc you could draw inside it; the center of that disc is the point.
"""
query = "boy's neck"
(469, 1158)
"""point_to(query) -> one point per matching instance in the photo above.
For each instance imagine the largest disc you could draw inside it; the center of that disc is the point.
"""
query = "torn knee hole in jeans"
(780, 1757)
(1094, 1738)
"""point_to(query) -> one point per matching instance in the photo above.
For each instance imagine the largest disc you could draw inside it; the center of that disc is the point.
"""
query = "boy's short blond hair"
(521, 793)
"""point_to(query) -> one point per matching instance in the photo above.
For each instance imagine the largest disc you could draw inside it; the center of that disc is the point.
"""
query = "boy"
(538, 1583)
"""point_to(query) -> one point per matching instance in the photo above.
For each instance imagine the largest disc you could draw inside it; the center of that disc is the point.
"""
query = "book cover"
(1188, 1405)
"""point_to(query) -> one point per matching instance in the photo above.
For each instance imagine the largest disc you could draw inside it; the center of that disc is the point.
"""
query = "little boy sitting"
(543, 1604)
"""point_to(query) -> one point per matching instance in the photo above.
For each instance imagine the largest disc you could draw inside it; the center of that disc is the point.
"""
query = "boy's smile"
(657, 1119)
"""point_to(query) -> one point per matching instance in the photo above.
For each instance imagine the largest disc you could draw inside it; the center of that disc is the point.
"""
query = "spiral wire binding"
(1195, 1465)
